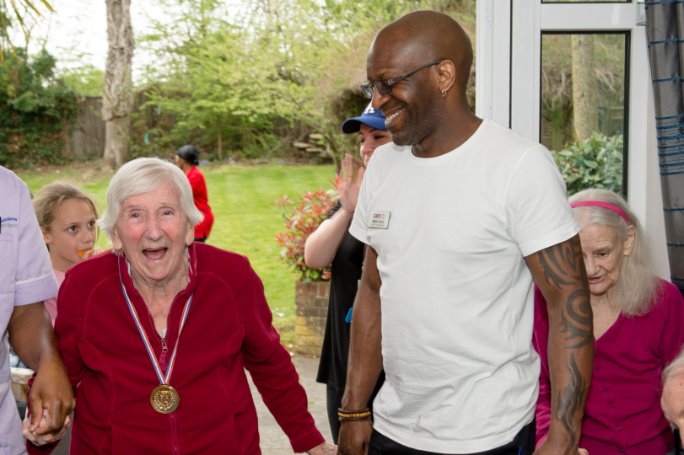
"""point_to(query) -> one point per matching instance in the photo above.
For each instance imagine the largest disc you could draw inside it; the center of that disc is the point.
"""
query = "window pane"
(583, 109)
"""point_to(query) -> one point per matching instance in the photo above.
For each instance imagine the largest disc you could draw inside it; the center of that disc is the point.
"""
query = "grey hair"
(143, 175)
(638, 286)
(675, 367)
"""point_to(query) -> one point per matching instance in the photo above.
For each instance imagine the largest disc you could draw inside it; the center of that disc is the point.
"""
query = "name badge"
(380, 220)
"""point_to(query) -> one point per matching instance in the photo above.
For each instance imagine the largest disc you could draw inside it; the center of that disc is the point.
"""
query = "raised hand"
(349, 182)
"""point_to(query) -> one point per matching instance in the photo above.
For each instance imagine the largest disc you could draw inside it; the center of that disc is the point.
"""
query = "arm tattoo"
(563, 275)
(562, 266)
(576, 321)
(561, 263)
(570, 400)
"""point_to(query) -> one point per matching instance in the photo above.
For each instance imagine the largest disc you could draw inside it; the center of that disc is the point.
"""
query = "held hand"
(43, 438)
(51, 398)
(355, 437)
(349, 182)
(323, 449)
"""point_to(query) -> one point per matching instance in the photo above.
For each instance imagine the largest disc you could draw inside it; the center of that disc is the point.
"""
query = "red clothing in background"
(201, 198)
(622, 414)
(228, 329)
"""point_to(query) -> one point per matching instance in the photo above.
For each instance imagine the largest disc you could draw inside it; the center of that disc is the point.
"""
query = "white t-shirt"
(457, 302)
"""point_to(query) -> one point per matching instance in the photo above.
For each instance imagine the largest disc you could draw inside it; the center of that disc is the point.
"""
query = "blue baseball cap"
(370, 117)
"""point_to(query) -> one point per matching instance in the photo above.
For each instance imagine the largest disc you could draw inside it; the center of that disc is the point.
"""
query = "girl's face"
(71, 234)
(369, 139)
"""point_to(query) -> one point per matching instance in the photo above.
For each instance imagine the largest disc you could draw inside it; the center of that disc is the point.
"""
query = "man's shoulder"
(9, 181)
(496, 132)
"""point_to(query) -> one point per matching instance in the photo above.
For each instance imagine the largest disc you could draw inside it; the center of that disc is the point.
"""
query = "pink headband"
(605, 205)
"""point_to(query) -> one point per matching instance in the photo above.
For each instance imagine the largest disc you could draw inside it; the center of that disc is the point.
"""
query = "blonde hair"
(143, 175)
(638, 286)
(51, 196)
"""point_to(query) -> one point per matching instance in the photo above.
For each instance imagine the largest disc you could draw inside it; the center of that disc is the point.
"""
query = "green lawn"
(245, 219)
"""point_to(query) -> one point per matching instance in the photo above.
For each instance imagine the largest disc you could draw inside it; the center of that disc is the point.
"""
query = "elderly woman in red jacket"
(187, 158)
(156, 334)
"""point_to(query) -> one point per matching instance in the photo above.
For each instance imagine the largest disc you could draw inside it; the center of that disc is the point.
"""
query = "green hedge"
(593, 163)
(35, 107)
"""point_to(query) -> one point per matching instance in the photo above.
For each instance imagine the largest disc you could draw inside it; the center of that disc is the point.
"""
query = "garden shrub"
(302, 217)
(35, 107)
(593, 163)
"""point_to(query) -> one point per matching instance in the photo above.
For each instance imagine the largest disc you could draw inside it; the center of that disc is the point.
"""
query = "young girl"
(67, 217)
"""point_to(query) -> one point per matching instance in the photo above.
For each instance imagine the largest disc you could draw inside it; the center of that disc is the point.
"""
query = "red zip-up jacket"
(228, 329)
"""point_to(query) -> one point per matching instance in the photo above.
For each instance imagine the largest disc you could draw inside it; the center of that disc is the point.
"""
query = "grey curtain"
(665, 33)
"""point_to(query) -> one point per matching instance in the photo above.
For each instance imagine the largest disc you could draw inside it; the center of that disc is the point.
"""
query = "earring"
(444, 92)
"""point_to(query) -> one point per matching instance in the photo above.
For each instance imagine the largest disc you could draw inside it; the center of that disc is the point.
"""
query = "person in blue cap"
(332, 244)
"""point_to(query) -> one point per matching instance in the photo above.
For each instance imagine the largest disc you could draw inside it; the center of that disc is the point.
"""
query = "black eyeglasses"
(384, 88)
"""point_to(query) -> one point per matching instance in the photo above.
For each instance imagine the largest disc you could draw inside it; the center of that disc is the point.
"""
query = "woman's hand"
(349, 182)
(38, 439)
(323, 449)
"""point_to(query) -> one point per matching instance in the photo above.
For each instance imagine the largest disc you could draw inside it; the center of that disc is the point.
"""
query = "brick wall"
(311, 300)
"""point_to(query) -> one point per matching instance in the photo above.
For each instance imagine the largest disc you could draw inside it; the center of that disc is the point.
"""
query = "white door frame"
(508, 65)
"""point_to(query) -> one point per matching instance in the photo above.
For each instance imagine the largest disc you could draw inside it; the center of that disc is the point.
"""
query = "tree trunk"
(584, 86)
(219, 140)
(117, 101)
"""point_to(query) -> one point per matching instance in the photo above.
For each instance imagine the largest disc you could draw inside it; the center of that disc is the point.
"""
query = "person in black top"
(332, 244)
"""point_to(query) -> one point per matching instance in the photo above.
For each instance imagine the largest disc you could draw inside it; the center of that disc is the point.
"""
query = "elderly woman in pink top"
(638, 330)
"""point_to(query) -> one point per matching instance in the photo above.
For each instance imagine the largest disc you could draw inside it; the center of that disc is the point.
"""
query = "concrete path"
(273, 440)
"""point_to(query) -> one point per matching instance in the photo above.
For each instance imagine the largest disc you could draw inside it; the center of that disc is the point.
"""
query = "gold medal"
(164, 399)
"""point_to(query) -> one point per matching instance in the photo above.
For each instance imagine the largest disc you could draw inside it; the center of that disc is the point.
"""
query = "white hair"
(676, 367)
(143, 175)
(638, 286)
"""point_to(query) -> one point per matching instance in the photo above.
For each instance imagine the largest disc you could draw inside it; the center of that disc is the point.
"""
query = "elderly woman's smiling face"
(153, 230)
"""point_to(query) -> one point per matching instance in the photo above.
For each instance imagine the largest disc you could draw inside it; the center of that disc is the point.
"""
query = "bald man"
(460, 215)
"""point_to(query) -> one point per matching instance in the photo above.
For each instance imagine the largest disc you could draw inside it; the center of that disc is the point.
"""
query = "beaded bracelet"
(344, 415)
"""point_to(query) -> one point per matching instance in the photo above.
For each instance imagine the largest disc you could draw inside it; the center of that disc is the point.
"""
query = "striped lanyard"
(163, 378)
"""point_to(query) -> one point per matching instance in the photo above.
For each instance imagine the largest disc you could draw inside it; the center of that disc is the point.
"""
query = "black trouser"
(522, 444)
(334, 397)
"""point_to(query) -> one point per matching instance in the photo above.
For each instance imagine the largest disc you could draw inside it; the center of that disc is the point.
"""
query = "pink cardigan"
(51, 304)
(622, 414)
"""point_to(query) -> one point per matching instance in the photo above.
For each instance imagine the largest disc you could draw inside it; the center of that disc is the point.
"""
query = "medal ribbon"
(163, 379)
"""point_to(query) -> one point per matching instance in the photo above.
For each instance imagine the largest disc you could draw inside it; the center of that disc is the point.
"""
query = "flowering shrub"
(301, 219)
